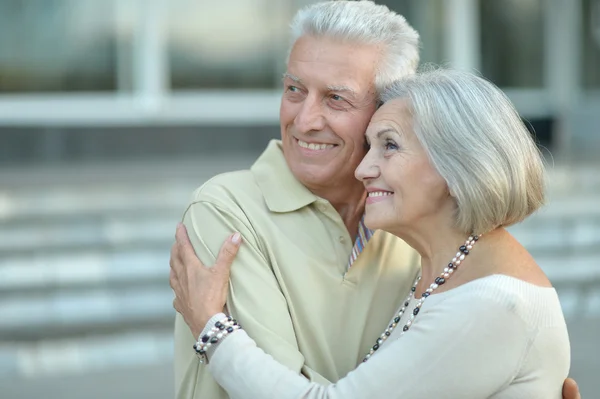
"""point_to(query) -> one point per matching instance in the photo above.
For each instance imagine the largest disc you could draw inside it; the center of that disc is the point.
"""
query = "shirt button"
(342, 239)
(322, 207)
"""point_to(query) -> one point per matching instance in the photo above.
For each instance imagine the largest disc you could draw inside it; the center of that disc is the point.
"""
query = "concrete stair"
(84, 261)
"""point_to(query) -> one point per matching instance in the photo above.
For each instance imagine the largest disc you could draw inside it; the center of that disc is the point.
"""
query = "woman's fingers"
(571, 390)
(200, 291)
(185, 250)
(228, 252)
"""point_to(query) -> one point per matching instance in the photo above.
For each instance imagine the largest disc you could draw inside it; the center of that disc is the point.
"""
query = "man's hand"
(200, 291)
(570, 389)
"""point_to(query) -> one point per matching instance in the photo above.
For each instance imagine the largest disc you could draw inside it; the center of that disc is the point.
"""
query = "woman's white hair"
(478, 143)
(364, 22)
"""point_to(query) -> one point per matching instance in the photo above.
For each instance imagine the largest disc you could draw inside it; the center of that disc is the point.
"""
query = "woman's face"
(404, 188)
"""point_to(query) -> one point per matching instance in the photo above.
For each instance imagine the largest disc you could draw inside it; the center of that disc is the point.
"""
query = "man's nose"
(311, 116)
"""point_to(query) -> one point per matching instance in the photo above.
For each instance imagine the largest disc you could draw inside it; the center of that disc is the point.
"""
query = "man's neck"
(349, 202)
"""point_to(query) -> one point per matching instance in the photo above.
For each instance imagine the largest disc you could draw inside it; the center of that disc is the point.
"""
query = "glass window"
(427, 17)
(226, 44)
(591, 44)
(57, 45)
(243, 44)
(512, 42)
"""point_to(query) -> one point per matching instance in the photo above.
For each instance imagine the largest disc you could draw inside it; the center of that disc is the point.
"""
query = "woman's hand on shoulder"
(200, 291)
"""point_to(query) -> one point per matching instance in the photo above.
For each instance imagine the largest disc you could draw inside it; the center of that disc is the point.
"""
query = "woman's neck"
(437, 243)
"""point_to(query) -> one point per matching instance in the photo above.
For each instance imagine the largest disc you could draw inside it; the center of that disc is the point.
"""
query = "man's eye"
(335, 97)
(293, 89)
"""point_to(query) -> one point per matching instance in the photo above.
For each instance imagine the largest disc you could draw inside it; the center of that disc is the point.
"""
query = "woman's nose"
(367, 169)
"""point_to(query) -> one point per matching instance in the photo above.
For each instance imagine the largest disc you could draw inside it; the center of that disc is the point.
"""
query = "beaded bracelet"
(216, 334)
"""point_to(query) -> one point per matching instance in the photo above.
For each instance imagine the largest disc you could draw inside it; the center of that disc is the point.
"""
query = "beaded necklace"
(463, 251)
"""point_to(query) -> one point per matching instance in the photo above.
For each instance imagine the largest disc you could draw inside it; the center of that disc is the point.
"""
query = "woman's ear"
(450, 193)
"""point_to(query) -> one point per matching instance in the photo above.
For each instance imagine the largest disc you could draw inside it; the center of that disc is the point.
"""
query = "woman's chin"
(374, 223)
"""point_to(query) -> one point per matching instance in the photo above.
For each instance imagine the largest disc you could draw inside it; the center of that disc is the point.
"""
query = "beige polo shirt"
(289, 288)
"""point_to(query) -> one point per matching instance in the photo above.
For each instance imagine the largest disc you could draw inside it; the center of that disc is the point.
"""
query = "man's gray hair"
(478, 143)
(364, 22)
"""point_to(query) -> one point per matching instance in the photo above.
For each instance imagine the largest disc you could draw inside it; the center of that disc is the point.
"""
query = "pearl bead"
(208, 345)
(448, 271)
(220, 335)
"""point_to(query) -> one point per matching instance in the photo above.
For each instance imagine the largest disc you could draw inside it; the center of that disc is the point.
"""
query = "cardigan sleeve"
(463, 346)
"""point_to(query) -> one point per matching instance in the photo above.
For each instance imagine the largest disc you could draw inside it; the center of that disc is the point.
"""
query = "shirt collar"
(362, 238)
(280, 188)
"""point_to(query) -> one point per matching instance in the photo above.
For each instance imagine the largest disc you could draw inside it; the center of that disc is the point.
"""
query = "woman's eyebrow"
(384, 131)
(380, 133)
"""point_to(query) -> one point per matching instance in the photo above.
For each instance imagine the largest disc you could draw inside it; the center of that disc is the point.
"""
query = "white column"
(562, 66)
(282, 10)
(462, 34)
(124, 23)
(150, 61)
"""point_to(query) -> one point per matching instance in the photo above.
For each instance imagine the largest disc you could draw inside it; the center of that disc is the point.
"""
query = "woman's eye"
(390, 145)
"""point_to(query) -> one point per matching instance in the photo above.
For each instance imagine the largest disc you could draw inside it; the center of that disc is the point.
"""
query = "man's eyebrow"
(292, 77)
(341, 88)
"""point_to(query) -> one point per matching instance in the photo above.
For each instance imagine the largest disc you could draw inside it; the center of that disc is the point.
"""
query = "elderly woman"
(450, 165)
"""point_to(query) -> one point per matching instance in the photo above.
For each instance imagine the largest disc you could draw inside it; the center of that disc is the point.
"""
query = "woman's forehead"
(393, 114)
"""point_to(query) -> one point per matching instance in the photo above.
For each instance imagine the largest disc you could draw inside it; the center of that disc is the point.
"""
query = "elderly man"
(311, 284)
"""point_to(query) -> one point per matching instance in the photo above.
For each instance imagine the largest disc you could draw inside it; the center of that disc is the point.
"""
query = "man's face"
(329, 97)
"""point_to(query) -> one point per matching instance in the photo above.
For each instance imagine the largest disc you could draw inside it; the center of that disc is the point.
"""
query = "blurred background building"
(112, 112)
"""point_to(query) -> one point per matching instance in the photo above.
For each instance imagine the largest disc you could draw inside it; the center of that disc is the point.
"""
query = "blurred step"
(568, 235)
(93, 200)
(147, 228)
(71, 313)
(84, 269)
(137, 347)
(571, 270)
